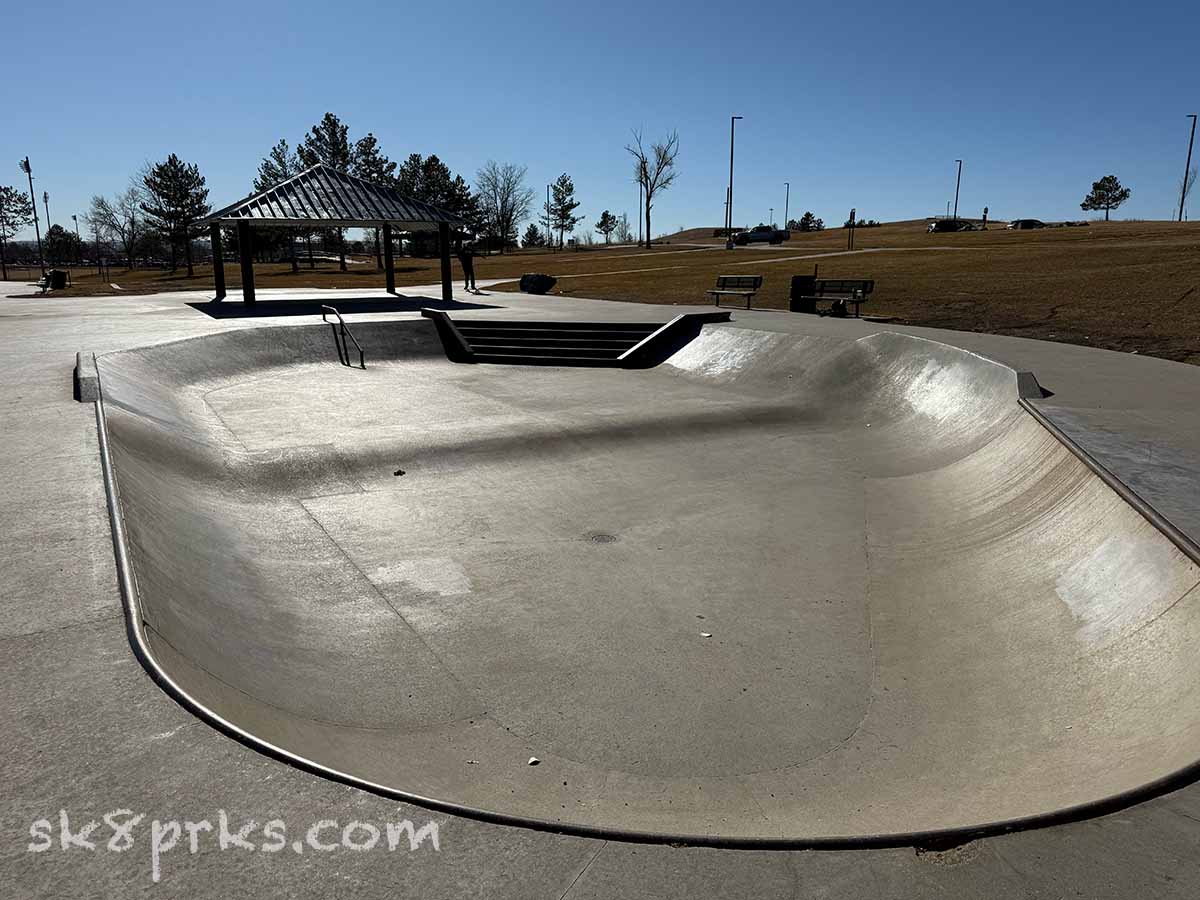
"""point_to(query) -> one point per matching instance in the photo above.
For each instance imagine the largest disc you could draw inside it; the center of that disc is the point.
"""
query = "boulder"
(536, 283)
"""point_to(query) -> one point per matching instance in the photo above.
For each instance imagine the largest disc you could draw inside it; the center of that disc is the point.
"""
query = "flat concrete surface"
(89, 732)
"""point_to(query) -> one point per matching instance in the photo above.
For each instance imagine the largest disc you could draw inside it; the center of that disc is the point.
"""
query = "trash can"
(801, 298)
(58, 279)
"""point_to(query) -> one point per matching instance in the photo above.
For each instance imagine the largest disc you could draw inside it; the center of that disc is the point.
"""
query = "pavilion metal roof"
(324, 196)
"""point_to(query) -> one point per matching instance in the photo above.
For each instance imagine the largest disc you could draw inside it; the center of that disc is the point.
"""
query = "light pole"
(729, 212)
(1187, 167)
(771, 217)
(79, 245)
(28, 170)
(957, 182)
(786, 197)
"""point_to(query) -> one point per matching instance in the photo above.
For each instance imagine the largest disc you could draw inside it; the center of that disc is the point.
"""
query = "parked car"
(761, 233)
(1024, 224)
(940, 226)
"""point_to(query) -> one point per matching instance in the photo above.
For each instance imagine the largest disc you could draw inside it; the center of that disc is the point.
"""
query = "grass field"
(1131, 286)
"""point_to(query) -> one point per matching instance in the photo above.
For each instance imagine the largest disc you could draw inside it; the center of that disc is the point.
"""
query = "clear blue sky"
(863, 105)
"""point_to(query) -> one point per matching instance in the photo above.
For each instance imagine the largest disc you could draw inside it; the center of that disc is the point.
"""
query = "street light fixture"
(28, 170)
(729, 211)
(786, 197)
(771, 217)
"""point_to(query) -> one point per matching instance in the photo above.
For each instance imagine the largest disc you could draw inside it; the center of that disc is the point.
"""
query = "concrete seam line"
(944, 837)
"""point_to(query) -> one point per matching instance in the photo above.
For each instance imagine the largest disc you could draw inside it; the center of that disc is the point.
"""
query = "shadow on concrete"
(235, 309)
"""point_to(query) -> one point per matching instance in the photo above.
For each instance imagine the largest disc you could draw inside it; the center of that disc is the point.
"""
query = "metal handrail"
(339, 340)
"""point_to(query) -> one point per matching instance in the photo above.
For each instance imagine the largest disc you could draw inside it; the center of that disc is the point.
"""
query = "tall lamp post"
(28, 170)
(729, 212)
(1187, 167)
(79, 245)
(771, 216)
(957, 182)
(786, 197)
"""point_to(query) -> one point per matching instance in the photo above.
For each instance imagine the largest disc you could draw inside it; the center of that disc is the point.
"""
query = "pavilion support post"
(389, 271)
(444, 247)
(246, 251)
(218, 255)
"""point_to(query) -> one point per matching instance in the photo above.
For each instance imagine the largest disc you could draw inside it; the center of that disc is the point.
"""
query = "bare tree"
(505, 200)
(120, 219)
(654, 171)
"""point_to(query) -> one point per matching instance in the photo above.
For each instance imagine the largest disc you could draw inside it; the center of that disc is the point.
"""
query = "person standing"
(466, 258)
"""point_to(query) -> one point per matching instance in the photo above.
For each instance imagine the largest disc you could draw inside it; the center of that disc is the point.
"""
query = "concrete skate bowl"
(777, 590)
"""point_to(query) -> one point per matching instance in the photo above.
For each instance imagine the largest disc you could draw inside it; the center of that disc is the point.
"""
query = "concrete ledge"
(87, 378)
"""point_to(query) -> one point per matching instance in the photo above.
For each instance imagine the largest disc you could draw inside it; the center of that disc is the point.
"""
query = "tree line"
(156, 215)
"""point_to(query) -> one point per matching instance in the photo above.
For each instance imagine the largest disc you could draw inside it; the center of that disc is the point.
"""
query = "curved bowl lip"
(931, 838)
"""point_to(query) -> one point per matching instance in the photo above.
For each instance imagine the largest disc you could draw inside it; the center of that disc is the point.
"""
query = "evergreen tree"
(62, 245)
(430, 180)
(176, 196)
(606, 224)
(16, 211)
(280, 164)
(563, 205)
(371, 164)
(1107, 193)
(328, 143)
(808, 222)
(533, 236)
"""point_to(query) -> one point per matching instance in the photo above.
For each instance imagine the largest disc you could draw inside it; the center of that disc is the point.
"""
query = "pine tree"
(176, 197)
(533, 236)
(563, 205)
(1107, 193)
(606, 224)
(370, 163)
(430, 180)
(16, 211)
(328, 143)
(280, 164)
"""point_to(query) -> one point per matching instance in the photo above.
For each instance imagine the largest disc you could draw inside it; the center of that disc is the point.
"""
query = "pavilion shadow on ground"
(267, 308)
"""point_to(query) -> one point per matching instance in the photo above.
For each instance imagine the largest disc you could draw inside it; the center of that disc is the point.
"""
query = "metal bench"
(806, 291)
(736, 286)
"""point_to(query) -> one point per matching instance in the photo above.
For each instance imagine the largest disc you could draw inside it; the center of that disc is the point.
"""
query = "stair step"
(534, 350)
(477, 340)
(638, 327)
(577, 334)
(589, 361)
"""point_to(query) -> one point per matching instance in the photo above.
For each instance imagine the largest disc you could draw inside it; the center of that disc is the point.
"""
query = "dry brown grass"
(1123, 285)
